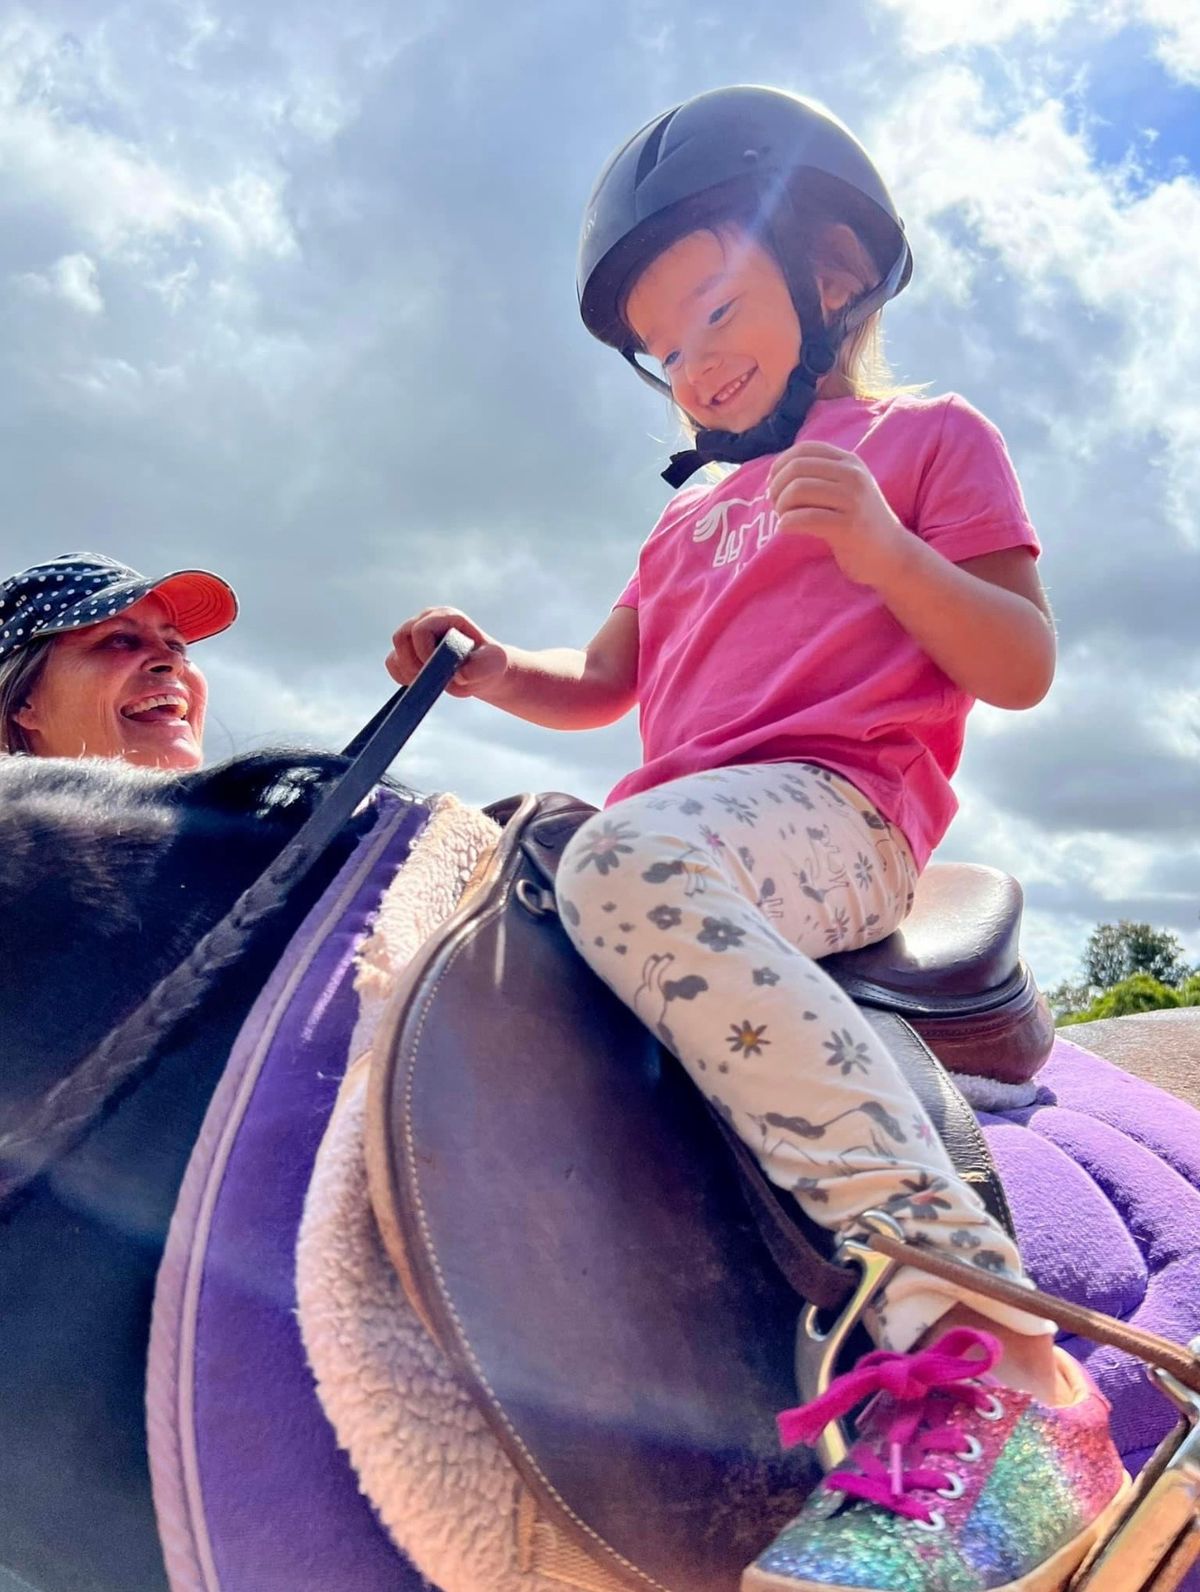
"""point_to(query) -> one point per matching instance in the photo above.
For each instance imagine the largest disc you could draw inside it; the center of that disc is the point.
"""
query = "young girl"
(804, 639)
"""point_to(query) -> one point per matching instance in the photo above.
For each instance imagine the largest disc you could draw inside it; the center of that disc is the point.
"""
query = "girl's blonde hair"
(19, 674)
(861, 363)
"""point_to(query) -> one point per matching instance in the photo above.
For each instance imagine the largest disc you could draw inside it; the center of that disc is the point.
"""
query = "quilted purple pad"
(252, 1492)
(1103, 1176)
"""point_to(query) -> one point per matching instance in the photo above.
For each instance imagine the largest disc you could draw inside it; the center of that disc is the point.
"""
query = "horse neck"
(98, 912)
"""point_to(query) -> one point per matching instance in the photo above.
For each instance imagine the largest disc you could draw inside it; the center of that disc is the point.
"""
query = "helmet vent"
(648, 158)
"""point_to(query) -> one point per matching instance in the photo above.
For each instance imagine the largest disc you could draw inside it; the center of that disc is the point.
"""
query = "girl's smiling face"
(125, 688)
(714, 310)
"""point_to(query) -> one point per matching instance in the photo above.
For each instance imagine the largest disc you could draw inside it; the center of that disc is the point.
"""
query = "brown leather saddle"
(564, 1212)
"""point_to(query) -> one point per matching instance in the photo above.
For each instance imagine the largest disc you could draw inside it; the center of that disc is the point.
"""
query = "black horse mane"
(110, 878)
(92, 832)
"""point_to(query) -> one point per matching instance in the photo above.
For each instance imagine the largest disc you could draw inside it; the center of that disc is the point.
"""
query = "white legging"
(703, 904)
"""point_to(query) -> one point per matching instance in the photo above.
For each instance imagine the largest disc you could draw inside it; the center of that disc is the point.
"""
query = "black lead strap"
(444, 662)
(771, 435)
(373, 750)
(376, 746)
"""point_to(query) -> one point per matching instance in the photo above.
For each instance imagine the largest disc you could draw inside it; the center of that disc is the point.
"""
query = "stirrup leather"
(1155, 1540)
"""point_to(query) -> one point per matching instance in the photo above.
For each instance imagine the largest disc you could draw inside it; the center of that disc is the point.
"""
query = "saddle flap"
(556, 1191)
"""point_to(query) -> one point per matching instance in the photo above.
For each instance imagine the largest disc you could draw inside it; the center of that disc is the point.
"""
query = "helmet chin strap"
(772, 434)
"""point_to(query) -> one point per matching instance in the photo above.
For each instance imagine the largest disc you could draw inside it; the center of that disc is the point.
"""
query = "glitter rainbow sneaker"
(956, 1483)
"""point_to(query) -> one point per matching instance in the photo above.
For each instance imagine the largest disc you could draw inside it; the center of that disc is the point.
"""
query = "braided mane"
(118, 876)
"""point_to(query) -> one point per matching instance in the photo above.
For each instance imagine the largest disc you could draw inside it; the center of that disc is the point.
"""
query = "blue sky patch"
(1133, 103)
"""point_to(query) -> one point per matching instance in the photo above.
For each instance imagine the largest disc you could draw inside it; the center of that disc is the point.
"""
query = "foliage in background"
(1126, 967)
(1140, 993)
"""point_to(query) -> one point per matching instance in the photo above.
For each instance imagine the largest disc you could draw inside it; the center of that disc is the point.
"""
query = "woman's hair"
(18, 675)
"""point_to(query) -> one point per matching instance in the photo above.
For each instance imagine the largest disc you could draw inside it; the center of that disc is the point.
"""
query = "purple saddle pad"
(250, 1487)
(1103, 1176)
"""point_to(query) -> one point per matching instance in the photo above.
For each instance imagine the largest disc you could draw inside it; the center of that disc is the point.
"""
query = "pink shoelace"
(919, 1386)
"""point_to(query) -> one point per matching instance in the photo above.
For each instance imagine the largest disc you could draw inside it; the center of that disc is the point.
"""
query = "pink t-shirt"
(755, 648)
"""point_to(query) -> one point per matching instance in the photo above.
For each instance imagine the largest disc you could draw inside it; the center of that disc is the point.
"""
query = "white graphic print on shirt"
(733, 536)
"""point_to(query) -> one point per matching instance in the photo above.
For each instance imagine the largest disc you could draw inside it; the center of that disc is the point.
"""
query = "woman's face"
(125, 688)
(715, 311)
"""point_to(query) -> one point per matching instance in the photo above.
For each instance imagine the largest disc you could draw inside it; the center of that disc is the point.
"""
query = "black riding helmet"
(781, 165)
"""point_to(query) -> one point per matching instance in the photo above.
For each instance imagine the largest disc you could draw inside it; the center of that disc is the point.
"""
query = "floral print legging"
(703, 904)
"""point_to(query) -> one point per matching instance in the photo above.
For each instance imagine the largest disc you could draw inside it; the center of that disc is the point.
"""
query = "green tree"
(1141, 967)
(1116, 951)
(1138, 993)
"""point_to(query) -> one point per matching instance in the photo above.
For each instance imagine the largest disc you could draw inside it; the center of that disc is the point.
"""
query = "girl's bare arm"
(562, 688)
(985, 622)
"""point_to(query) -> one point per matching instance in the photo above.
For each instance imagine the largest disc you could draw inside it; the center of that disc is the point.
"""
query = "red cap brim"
(201, 604)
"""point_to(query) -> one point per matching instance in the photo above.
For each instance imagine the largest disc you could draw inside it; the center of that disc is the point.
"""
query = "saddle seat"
(954, 971)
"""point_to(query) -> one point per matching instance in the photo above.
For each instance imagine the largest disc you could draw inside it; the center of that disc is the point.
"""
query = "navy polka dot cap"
(81, 589)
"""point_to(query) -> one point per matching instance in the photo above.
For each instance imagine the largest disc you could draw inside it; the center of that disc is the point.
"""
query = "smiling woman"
(94, 660)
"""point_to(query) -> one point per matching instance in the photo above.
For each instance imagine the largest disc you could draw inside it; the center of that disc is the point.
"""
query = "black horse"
(108, 877)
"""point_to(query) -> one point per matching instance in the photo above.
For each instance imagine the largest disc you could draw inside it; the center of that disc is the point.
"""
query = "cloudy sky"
(288, 290)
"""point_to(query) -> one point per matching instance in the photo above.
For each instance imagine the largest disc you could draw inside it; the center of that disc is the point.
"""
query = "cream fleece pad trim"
(423, 1454)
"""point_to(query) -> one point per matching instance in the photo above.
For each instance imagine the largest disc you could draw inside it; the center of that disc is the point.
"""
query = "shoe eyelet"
(973, 1451)
(936, 1522)
(954, 1488)
(994, 1410)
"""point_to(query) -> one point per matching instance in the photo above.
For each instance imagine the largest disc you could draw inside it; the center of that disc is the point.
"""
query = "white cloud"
(58, 156)
(931, 26)
(71, 279)
(250, 704)
(201, 27)
(175, 287)
(1081, 240)
(1071, 882)
(313, 62)
(1176, 27)
(1088, 801)
(75, 278)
